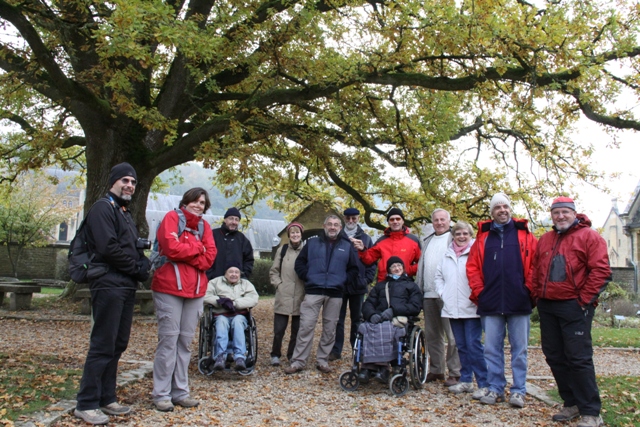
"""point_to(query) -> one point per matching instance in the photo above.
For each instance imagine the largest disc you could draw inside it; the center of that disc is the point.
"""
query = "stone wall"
(623, 276)
(49, 262)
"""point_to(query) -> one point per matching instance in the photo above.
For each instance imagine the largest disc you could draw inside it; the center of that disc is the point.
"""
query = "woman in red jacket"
(187, 248)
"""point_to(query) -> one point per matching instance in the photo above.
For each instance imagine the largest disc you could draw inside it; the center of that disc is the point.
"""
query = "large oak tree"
(421, 103)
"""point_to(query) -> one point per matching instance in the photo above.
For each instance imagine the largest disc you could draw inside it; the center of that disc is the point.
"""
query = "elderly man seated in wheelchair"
(387, 309)
(231, 298)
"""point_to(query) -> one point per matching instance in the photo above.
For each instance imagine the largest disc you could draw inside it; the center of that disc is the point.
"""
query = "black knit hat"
(232, 212)
(394, 260)
(120, 171)
(395, 211)
(233, 263)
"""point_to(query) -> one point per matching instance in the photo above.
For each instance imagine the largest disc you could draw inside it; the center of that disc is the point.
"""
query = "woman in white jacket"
(453, 287)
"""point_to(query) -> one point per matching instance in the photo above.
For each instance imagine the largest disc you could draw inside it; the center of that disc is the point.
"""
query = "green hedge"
(260, 277)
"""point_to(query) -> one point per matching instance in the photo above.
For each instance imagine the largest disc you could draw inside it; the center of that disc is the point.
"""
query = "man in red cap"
(570, 269)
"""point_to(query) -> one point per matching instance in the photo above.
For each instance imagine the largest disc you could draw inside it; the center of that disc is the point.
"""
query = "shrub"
(260, 277)
(623, 307)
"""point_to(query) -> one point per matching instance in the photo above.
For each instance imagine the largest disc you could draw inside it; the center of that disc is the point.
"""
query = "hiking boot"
(325, 369)
(275, 361)
(451, 381)
(164, 406)
(382, 376)
(187, 402)
(492, 398)
(480, 393)
(220, 361)
(516, 400)
(333, 356)
(115, 408)
(590, 421)
(364, 376)
(240, 366)
(293, 369)
(434, 377)
(567, 413)
(461, 388)
(92, 416)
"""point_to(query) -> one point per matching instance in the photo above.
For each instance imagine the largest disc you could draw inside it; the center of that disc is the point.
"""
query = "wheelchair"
(206, 343)
(410, 365)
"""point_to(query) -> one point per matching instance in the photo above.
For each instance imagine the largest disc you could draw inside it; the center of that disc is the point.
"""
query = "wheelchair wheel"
(204, 340)
(205, 365)
(398, 385)
(349, 381)
(418, 362)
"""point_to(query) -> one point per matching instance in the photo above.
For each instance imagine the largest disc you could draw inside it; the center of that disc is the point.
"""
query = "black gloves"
(142, 271)
(375, 318)
(387, 314)
(226, 303)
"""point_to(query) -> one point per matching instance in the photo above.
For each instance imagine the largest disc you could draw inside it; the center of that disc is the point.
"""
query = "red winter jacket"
(192, 257)
(570, 265)
(394, 243)
(475, 263)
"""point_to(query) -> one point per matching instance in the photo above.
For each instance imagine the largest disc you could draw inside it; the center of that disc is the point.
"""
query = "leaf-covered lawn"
(602, 337)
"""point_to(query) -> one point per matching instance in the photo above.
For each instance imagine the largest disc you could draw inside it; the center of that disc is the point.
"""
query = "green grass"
(620, 396)
(30, 383)
(602, 337)
(51, 291)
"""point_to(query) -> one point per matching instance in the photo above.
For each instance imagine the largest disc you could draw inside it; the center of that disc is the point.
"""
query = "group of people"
(465, 286)
(192, 265)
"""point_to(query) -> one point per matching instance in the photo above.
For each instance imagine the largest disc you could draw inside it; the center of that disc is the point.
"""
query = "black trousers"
(566, 342)
(280, 322)
(355, 312)
(112, 311)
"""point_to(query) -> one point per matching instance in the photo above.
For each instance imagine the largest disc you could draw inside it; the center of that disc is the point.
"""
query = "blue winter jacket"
(326, 268)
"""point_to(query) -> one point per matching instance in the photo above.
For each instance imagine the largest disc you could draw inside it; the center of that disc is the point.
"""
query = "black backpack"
(82, 269)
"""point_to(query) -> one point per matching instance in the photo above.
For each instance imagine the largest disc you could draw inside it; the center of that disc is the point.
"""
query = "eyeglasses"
(395, 219)
(127, 181)
(461, 233)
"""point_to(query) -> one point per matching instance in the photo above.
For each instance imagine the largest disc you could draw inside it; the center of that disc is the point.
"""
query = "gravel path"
(271, 398)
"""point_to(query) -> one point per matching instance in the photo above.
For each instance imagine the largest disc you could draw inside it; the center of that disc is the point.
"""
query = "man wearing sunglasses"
(112, 238)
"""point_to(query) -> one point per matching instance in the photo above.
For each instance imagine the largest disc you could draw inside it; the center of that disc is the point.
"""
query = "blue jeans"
(468, 335)
(236, 324)
(495, 328)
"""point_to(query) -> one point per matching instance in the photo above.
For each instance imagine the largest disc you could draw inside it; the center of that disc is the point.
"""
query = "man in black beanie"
(118, 265)
(232, 245)
(396, 241)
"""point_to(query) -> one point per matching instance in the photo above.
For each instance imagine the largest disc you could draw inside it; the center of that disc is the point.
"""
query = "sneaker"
(590, 421)
(333, 356)
(492, 398)
(275, 361)
(325, 369)
(567, 413)
(240, 366)
(187, 402)
(461, 388)
(480, 393)
(220, 361)
(115, 408)
(516, 400)
(164, 406)
(293, 369)
(92, 416)
(451, 381)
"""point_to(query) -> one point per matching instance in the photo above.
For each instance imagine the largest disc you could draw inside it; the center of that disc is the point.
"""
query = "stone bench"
(21, 294)
(143, 297)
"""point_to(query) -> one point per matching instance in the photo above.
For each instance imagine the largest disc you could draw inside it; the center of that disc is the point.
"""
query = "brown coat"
(289, 287)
